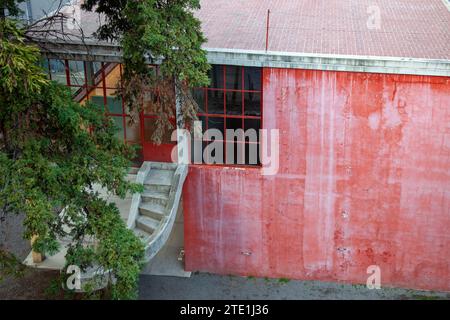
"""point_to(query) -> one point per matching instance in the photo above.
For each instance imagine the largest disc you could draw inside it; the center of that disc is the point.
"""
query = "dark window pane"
(58, 71)
(252, 78)
(199, 97)
(234, 78)
(234, 103)
(216, 123)
(252, 124)
(252, 103)
(216, 77)
(114, 105)
(98, 102)
(45, 65)
(204, 124)
(215, 102)
(234, 124)
(76, 69)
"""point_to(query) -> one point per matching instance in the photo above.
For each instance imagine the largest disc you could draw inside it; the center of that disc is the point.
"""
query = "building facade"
(363, 176)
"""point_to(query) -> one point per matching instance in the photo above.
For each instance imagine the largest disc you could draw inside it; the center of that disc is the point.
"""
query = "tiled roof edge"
(371, 64)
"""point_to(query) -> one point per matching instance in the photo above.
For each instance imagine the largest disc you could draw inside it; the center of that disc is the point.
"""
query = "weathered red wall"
(364, 180)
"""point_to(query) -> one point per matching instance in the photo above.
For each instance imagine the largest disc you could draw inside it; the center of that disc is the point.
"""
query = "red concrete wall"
(364, 180)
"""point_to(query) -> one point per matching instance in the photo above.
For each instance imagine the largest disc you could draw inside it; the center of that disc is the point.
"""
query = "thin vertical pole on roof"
(267, 29)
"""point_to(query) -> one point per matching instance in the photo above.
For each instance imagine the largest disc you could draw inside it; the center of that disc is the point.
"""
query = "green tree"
(53, 152)
(157, 30)
(10, 6)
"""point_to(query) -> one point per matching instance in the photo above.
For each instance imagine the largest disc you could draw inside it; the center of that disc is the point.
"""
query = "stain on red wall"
(364, 180)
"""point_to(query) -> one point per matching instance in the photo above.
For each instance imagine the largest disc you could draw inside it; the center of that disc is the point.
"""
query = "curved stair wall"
(152, 213)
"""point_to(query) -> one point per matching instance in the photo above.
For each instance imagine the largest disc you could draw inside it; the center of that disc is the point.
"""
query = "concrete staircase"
(152, 213)
(151, 217)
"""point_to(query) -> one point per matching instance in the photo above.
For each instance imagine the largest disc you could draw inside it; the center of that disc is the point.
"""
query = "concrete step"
(147, 224)
(142, 235)
(155, 197)
(159, 177)
(164, 165)
(152, 210)
(157, 188)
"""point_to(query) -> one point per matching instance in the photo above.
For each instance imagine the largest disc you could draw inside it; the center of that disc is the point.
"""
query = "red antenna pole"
(267, 29)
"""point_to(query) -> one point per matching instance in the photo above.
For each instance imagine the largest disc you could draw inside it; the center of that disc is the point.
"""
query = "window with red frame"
(97, 82)
(232, 101)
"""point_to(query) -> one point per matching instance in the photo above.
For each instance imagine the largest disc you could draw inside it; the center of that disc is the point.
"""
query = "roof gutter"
(110, 52)
(352, 63)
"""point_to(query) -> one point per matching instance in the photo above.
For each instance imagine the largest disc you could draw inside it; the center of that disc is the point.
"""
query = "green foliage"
(163, 29)
(284, 280)
(11, 6)
(152, 31)
(55, 154)
(10, 265)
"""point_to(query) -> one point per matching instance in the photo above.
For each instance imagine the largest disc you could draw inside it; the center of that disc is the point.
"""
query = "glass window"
(252, 79)
(199, 97)
(216, 101)
(45, 65)
(99, 102)
(234, 103)
(216, 123)
(76, 73)
(239, 106)
(252, 103)
(234, 77)
(216, 75)
(234, 123)
(114, 105)
(93, 76)
(58, 71)
(254, 124)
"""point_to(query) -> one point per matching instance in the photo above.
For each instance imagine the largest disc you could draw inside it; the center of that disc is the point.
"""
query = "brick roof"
(408, 28)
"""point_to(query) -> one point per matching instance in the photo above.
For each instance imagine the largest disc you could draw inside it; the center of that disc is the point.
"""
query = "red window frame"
(206, 115)
(98, 81)
(100, 84)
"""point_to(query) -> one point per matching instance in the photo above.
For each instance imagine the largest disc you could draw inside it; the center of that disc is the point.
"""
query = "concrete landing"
(166, 263)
